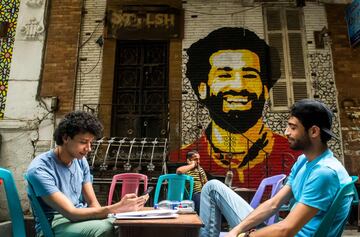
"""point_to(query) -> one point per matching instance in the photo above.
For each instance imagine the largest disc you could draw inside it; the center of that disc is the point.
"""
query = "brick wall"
(347, 75)
(90, 54)
(315, 20)
(59, 72)
(202, 18)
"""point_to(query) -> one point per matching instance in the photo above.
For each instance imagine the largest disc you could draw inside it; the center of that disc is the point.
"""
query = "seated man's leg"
(62, 227)
(217, 199)
(196, 199)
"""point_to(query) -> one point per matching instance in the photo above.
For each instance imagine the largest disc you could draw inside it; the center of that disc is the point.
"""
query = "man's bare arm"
(263, 211)
(185, 168)
(89, 195)
(59, 202)
(291, 225)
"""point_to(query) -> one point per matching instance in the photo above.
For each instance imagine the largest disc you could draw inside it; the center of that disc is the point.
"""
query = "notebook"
(148, 214)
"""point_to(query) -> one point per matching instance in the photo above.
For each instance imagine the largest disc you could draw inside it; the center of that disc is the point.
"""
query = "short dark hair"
(189, 154)
(312, 112)
(77, 122)
(232, 38)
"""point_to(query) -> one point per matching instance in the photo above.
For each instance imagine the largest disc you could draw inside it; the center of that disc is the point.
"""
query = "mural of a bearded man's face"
(234, 93)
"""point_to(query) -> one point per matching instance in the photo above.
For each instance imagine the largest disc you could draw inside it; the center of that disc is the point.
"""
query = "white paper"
(148, 214)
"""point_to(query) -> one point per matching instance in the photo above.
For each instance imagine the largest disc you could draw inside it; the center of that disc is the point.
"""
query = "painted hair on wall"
(231, 71)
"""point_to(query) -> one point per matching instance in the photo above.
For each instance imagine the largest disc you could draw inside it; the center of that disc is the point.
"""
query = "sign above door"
(145, 22)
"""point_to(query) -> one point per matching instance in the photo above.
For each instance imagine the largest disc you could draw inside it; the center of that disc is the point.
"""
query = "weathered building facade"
(128, 62)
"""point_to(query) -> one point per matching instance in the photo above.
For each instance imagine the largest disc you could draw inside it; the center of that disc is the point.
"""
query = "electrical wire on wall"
(100, 42)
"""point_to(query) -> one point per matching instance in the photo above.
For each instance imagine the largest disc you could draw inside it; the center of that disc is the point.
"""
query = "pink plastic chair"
(130, 184)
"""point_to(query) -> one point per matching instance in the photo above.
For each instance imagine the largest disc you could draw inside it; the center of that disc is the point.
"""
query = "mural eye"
(250, 76)
(227, 75)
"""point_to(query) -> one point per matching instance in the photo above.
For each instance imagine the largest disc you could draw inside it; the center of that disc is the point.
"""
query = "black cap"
(312, 112)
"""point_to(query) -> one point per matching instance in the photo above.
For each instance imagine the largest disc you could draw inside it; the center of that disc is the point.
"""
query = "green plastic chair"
(176, 187)
(346, 190)
(37, 209)
(13, 200)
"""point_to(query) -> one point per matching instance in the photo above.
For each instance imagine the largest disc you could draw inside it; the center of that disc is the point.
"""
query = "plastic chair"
(276, 182)
(37, 209)
(14, 206)
(130, 184)
(346, 190)
(176, 186)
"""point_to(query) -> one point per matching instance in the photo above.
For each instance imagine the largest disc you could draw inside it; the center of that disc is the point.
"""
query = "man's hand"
(231, 234)
(234, 232)
(130, 202)
(193, 162)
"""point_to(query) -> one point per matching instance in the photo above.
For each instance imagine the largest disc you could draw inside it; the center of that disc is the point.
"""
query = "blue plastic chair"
(348, 189)
(12, 196)
(276, 182)
(37, 209)
(176, 186)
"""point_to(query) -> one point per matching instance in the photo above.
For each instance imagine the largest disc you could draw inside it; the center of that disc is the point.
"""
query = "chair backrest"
(346, 190)
(276, 182)
(14, 206)
(176, 186)
(130, 184)
(37, 209)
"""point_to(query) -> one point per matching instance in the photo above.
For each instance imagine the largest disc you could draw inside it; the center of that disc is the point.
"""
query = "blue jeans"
(217, 199)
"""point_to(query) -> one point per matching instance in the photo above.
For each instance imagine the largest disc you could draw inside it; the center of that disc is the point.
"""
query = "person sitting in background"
(194, 169)
(61, 177)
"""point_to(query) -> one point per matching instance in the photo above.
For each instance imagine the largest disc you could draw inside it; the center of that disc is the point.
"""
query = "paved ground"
(350, 232)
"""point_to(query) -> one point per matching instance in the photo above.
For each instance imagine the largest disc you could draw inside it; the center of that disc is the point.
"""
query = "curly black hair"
(232, 38)
(77, 122)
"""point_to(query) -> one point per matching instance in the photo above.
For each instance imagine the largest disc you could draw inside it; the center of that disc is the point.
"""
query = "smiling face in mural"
(231, 71)
(234, 91)
(237, 71)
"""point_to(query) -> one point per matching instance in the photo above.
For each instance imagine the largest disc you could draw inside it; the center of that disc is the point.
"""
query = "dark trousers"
(196, 199)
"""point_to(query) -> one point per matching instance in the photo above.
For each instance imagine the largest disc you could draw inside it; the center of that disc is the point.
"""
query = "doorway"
(140, 93)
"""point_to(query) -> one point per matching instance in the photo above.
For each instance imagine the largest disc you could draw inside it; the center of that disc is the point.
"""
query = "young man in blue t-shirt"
(312, 184)
(61, 180)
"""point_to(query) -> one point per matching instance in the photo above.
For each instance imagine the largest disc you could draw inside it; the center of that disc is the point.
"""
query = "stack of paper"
(148, 214)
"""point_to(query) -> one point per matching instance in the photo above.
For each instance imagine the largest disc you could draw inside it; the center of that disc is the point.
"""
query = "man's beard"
(300, 144)
(235, 121)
